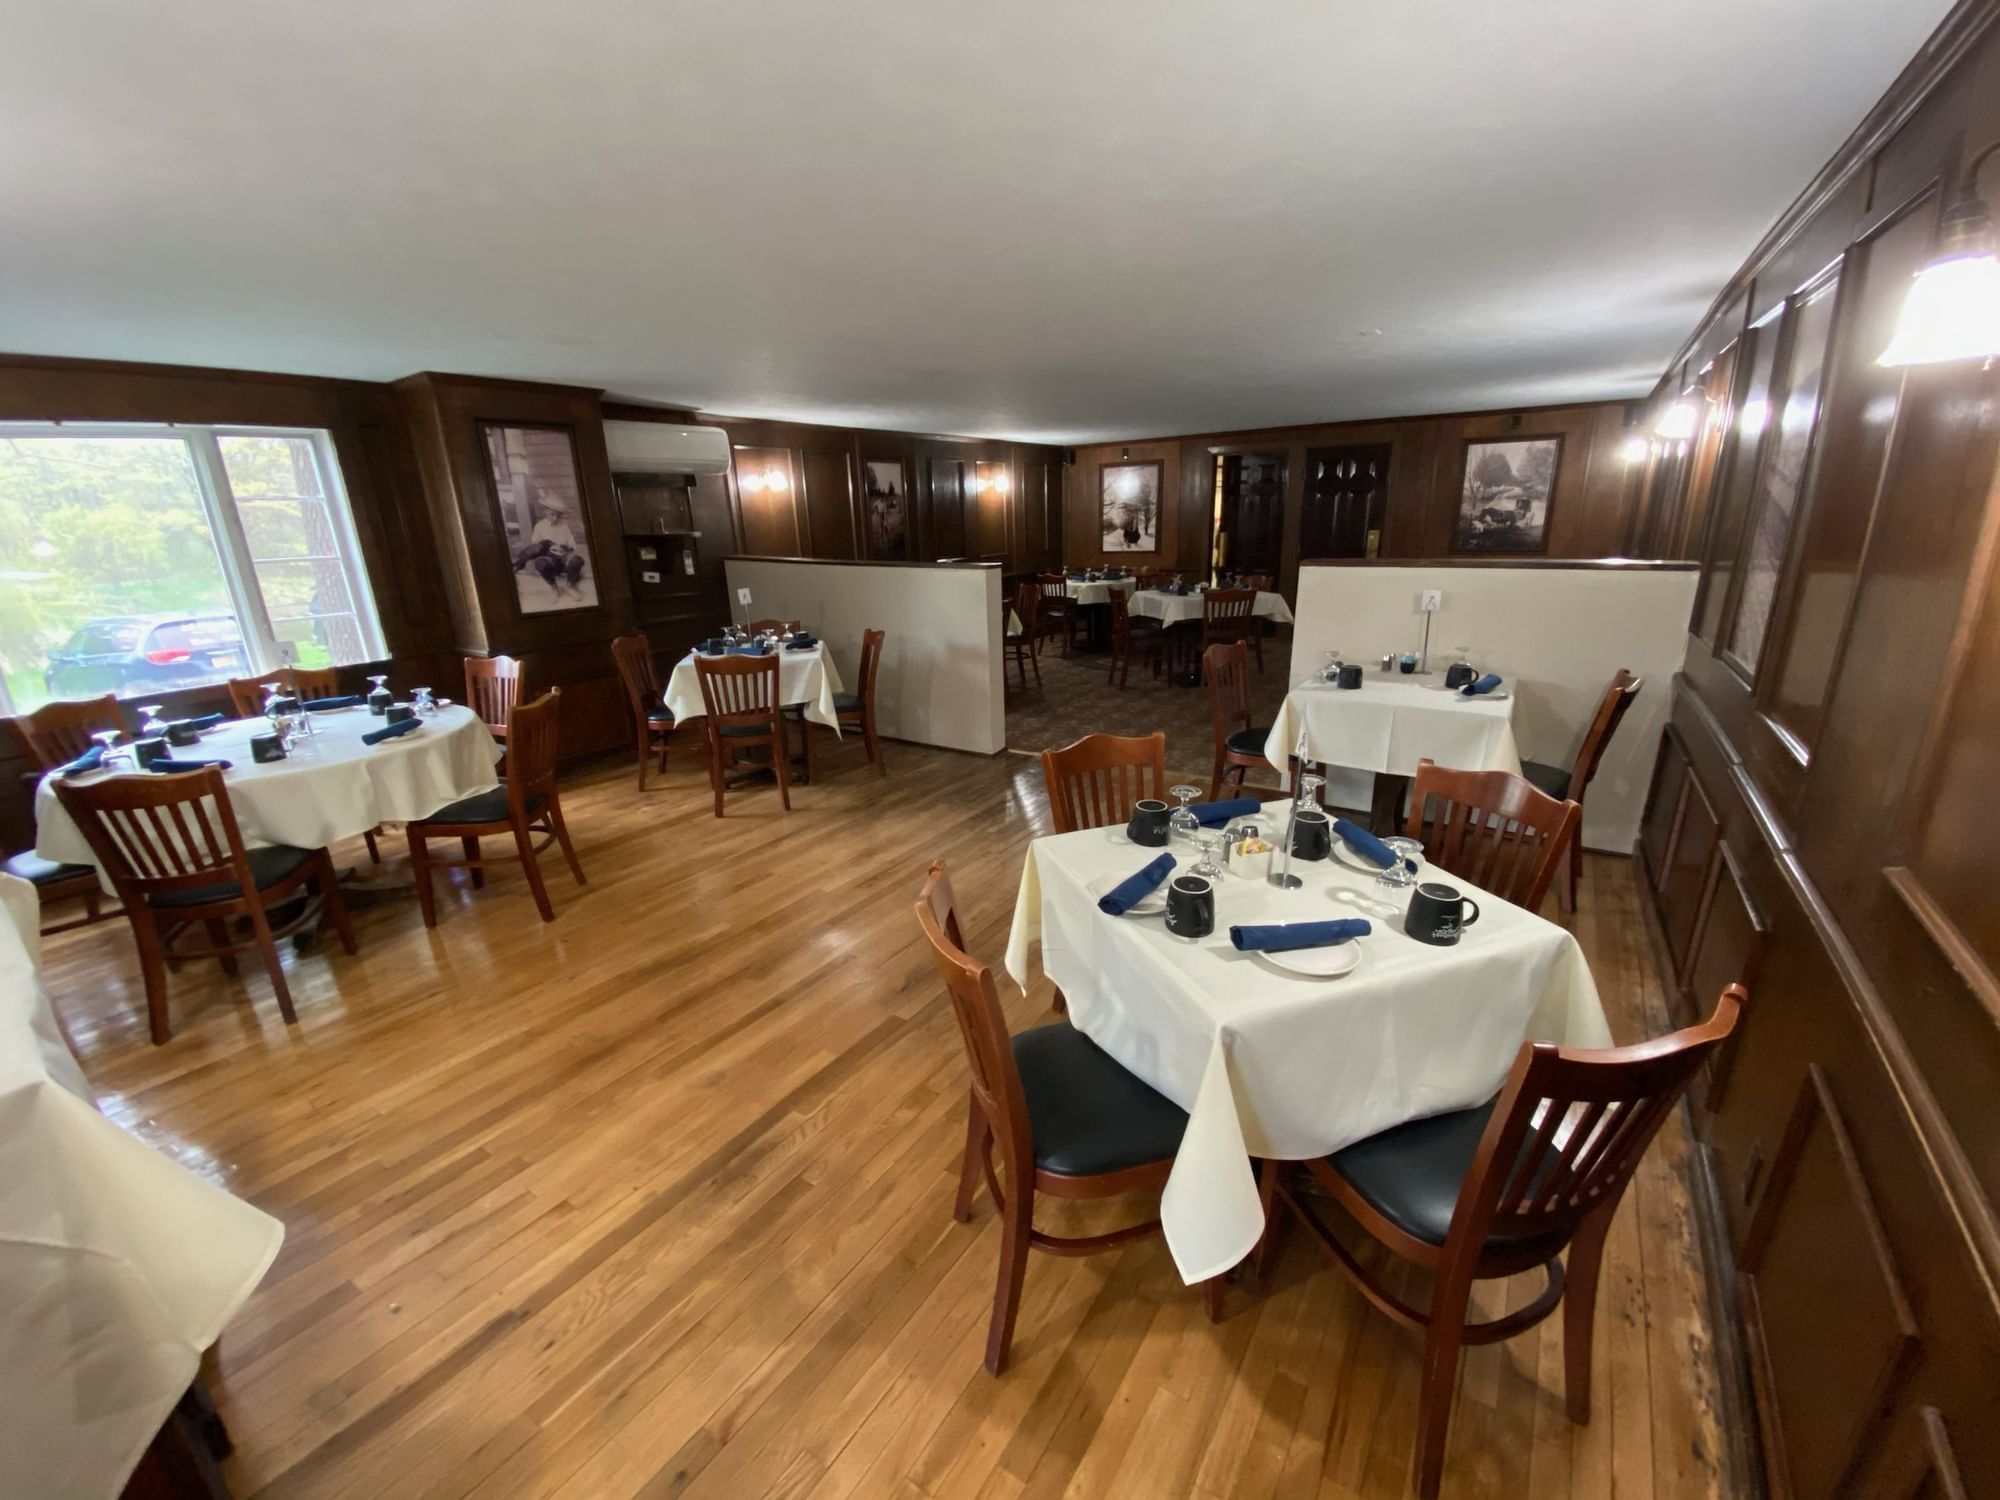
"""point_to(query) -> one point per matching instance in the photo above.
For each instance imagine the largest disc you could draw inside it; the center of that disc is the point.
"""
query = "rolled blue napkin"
(1133, 889)
(1215, 814)
(1283, 937)
(349, 700)
(166, 765)
(802, 642)
(1485, 684)
(390, 731)
(204, 721)
(1364, 843)
(748, 651)
(91, 760)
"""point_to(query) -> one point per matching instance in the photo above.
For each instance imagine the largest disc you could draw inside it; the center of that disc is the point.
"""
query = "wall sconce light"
(1678, 422)
(1003, 482)
(774, 479)
(1952, 310)
(1636, 450)
(750, 483)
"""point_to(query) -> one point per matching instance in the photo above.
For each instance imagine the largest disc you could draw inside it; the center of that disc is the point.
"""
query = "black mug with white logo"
(1439, 914)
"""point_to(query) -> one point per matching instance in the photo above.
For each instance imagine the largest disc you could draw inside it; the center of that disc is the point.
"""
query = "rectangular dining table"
(806, 679)
(1270, 1064)
(1180, 609)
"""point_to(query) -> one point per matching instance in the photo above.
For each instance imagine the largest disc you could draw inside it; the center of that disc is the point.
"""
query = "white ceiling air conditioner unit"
(658, 448)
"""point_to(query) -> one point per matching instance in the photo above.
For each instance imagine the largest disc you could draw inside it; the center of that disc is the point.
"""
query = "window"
(136, 559)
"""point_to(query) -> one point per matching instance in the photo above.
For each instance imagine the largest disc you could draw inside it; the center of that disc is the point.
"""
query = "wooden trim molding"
(855, 562)
(1965, 958)
(1514, 560)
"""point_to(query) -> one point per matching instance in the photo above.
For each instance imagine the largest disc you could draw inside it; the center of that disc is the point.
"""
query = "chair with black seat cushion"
(1567, 783)
(1499, 1190)
(57, 882)
(174, 855)
(1239, 745)
(740, 695)
(1230, 615)
(1491, 828)
(1025, 647)
(856, 710)
(653, 721)
(1131, 635)
(1068, 1120)
(524, 805)
(1058, 611)
(57, 733)
(246, 694)
(492, 688)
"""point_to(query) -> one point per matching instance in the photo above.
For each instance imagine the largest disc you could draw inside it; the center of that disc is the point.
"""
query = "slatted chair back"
(982, 1026)
(492, 688)
(739, 691)
(1491, 828)
(1093, 783)
(1028, 605)
(1611, 711)
(57, 733)
(1570, 1126)
(533, 742)
(156, 835)
(633, 656)
(246, 694)
(1227, 667)
(1054, 586)
(1121, 619)
(871, 664)
(1228, 614)
(758, 627)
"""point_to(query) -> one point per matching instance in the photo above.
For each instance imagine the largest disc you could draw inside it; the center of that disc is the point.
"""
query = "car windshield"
(184, 636)
(103, 637)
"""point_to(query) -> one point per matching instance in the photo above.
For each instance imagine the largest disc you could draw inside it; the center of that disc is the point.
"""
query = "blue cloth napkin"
(1485, 684)
(350, 700)
(1364, 843)
(204, 721)
(1283, 937)
(90, 760)
(167, 764)
(802, 642)
(1133, 889)
(390, 731)
(748, 651)
(1215, 814)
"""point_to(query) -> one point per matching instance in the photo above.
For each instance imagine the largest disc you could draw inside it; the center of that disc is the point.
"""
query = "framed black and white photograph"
(888, 511)
(1128, 497)
(540, 495)
(1503, 503)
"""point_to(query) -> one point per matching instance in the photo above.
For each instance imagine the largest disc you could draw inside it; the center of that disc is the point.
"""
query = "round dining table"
(334, 787)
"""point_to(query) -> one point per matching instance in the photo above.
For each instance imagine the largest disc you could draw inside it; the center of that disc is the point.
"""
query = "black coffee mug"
(1190, 906)
(1458, 674)
(183, 732)
(1439, 914)
(398, 712)
(265, 748)
(1350, 675)
(145, 752)
(1149, 823)
(1312, 834)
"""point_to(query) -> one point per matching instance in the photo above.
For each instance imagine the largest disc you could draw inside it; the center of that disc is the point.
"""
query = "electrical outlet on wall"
(1432, 601)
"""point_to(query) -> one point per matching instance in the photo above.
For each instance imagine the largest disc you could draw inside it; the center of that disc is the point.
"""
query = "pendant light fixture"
(1952, 310)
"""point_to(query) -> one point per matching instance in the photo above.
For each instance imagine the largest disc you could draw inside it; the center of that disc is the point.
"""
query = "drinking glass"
(1211, 843)
(421, 697)
(1333, 665)
(1403, 873)
(1182, 824)
(151, 725)
(105, 738)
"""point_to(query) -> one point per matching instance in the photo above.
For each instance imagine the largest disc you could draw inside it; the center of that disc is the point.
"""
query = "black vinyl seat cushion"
(1248, 742)
(1411, 1174)
(743, 731)
(30, 866)
(847, 703)
(267, 868)
(1553, 780)
(489, 806)
(1088, 1114)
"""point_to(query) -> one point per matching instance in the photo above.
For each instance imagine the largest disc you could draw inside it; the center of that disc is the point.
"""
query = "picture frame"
(1507, 487)
(544, 526)
(885, 504)
(1130, 496)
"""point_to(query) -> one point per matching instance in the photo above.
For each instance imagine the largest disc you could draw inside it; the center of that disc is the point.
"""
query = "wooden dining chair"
(57, 733)
(1058, 612)
(1094, 782)
(1025, 648)
(56, 883)
(1498, 1190)
(492, 688)
(1491, 828)
(1568, 782)
(173, 852)
(1231, 615)
(653, 721)
(1130, 634)
(856, 710)
(525, 804)
(1068, 1120)
(1239, 747)
(1257, 583)
(758, 627)
(740, 694)
(246, 694)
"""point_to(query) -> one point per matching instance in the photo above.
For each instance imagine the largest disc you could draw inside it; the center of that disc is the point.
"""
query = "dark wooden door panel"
(1728, 939)
(1663, 808)
(1690, 857)
(767, 490)
(945, 536)
(830, 501)
(1252, 519)
(1346, 500)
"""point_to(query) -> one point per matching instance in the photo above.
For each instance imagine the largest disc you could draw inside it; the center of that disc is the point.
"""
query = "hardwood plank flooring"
(655, 1200)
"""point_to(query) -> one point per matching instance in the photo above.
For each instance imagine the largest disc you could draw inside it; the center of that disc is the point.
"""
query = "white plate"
(1318, 963)
(1362, 863)
(1145, 906)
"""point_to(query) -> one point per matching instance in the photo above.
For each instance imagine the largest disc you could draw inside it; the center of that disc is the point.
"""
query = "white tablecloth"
(1100, 591)
(118, 1266)
(338, 789)
(1388, 724)
(1272, 1065)
(804, 677)
(1173, 609)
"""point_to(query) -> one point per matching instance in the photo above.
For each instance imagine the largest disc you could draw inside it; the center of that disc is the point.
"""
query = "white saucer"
(1318, 963)
(1146, 906)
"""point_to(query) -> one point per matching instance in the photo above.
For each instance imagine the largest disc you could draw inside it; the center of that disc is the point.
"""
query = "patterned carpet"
(1074, 699)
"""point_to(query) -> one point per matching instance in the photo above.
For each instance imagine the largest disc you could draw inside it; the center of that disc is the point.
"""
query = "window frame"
(225, 522)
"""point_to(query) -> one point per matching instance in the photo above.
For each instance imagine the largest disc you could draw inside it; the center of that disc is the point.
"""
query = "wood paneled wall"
(1819, 821)
(1593, 512)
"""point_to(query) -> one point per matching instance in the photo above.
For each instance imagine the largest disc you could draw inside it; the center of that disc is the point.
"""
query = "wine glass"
(1182, 824)
(1403, 873)
(421, 697)
(1211, 843)
(151, 725)
(105, 738)
(1333, 665)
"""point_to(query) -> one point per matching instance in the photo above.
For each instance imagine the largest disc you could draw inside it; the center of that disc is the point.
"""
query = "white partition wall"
(940, 681)
(1556, 632)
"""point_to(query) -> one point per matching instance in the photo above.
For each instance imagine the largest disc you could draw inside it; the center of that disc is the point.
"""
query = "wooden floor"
(656, 1201)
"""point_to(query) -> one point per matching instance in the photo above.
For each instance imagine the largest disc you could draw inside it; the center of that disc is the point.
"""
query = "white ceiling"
(1049, 219)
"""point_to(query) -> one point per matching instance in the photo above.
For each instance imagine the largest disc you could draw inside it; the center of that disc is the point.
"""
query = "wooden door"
(1251, 512)
(1346, 497)
(946, 534)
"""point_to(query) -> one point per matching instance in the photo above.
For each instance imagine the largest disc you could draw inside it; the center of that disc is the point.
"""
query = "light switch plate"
(1432, 601)
(743, 596)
